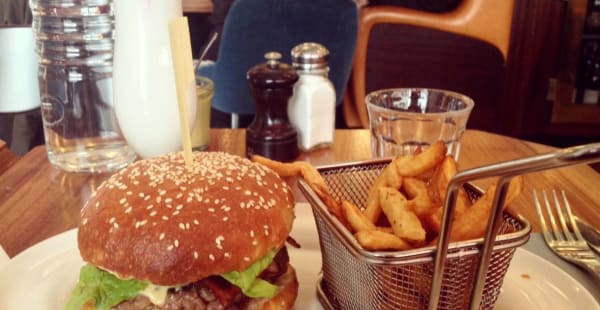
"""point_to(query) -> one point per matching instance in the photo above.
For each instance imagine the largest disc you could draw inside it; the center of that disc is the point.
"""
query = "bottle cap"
(310, 57)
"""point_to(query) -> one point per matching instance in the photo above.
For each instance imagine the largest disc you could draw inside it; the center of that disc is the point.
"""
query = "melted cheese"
(156, 294)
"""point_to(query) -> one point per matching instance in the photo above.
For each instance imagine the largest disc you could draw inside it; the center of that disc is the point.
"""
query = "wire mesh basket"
(354, 278)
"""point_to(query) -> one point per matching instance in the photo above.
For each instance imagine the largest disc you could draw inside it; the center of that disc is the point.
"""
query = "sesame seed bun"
(162, 222)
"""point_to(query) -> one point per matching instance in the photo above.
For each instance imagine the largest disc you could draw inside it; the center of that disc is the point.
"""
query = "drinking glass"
(205, 90)
(403, 120)
(144, 89)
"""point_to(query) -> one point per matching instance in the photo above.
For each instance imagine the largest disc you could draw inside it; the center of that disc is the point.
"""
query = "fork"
(565, 242)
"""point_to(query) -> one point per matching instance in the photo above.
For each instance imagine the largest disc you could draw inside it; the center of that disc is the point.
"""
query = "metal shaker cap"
(310, 57)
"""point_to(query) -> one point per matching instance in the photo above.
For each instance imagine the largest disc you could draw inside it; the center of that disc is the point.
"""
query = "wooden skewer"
(181, 51)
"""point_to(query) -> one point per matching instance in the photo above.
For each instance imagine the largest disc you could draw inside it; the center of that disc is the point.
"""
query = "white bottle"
(311, 108)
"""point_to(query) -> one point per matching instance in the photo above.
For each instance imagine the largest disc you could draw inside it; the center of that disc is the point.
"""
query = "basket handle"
(505, 171)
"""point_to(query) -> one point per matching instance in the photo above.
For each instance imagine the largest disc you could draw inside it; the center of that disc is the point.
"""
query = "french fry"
(412, 166)
(308, 172)
(439, 186)
(404, 222)
(442, 175)
(357, 220)
(420, 202)
(311, 175)
(473, 222)
(313, 178)
(434, 221)
(335, 207)
(283, 169)
(392, 179)
(376, 240)
(388, 177)
(385, 229)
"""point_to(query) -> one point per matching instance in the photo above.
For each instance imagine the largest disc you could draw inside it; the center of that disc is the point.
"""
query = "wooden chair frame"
(486, 20)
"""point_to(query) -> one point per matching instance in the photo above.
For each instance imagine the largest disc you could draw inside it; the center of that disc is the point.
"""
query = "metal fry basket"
(459, 275)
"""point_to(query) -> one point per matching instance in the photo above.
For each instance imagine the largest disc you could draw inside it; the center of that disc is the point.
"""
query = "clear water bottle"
(74, 44)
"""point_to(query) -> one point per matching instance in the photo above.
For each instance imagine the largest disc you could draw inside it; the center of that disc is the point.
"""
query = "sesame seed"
(164, 217)
(85, 220)
(211, 257)
(211, 210)
(128, 210)
(181, 226)
(111, 220)
(246, 258)
(122, 201)
(116, 225)
(169, 248)
(153, 213)
(225, 219)
(195, 255)
(227, 254)
(252, 233)
(149, 207)
(176, 243)
(218, 241)
(179, 207)
(162, 236)
(196, 222)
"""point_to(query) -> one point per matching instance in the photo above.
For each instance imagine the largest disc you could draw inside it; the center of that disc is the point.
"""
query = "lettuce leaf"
(105, 290)
(248, 282)
(102, 288)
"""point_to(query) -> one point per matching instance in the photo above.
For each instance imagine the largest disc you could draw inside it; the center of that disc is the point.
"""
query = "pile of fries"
(404, 206)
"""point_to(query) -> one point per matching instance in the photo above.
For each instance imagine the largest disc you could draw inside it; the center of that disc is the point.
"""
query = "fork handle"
(593, 267)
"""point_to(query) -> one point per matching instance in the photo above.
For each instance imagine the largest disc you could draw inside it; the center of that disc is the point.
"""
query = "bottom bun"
(286, 295)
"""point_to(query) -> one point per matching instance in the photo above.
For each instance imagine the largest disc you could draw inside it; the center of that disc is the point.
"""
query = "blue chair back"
(254, 27)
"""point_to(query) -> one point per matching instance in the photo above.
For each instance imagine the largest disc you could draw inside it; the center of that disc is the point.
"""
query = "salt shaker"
(270, 134)
(312, 108)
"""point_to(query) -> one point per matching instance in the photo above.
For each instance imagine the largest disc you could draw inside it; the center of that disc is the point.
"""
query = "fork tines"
(569, 231)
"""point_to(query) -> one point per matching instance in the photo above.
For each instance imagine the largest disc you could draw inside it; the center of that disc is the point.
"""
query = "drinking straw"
(206, 48)
(185, 81)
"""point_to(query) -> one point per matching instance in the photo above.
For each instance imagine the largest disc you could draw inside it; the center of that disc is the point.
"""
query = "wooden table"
(38, 201)
(7, 157)
(197, 6)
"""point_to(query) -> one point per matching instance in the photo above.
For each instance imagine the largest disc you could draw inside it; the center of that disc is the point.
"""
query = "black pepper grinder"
(271, 134)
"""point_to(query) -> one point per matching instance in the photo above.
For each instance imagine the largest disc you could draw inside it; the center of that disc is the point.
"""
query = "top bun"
(159, 221)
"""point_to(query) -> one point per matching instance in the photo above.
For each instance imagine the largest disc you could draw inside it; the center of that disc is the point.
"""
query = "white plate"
(42, 276)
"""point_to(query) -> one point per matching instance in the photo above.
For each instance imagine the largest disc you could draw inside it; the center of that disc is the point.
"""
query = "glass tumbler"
(404, 120)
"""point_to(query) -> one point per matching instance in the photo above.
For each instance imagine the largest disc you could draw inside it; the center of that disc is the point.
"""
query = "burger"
(162, 235)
